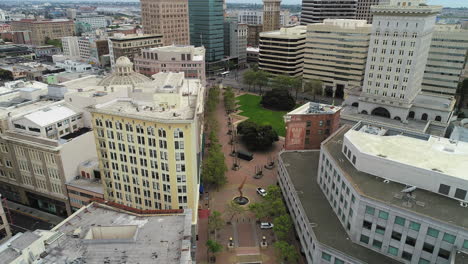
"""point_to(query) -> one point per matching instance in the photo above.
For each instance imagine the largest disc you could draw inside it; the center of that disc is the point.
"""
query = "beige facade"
(46, 28)
(149, 142)
(131, 45)
(187, 59)
(336, 53)
(282, 51)
(271, 15)
(41, 144)
(446, 60)
(167, 18)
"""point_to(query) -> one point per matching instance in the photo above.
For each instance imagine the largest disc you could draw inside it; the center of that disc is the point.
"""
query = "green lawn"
(251, 108)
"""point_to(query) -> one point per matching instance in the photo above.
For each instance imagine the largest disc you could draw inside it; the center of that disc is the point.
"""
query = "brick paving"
(244, 229)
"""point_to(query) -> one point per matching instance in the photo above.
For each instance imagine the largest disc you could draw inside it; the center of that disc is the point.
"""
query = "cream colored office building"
(282, 51)
(446, 60)
(336, 53)
(149, 142)
(271, 15)
(169, 18)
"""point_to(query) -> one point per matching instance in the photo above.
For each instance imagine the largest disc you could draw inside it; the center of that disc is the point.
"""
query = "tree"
(256, 137)
(214, 167)
(234, 209)
(271, 206)
(261, 79)
(286, 251)
(215, 221)
(249, 78)
(229, 100)
(282, 226)
(6, 75)
(54, 42)
(278, 99)
(213, 246)
(292, 84)
(312, 87)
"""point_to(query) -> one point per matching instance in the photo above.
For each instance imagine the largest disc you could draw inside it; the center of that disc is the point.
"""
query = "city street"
(244, 229)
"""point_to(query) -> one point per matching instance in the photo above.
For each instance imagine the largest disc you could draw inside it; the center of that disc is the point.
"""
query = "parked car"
(266, 225)
(261, 191)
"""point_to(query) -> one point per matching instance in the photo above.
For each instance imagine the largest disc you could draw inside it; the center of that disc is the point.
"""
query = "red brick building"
(310, 124)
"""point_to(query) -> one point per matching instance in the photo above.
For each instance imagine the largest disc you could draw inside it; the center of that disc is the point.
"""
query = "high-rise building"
(282, 51)
(336, 53)
(187, 59)
(96, 21)
(271, 15)
(44, 29)
(169, 18)
(446, 60)
(315, 11)
(307, 126)
(387, 195)
(131, 45)
(235, 40)
(253, 35)
(70, 47)
(255, 17)
(363, 9)
(398, 52)
(149, 142)
(207, 27)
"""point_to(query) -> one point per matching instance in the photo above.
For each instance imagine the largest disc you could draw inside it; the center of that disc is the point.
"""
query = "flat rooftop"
(312, 108)
(87, 184)
(50, 115)
(435, 206)
(302, 168)
(17, 243)
(101, 234)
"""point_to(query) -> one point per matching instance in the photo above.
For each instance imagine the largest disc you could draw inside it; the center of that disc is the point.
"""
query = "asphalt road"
(22, 223)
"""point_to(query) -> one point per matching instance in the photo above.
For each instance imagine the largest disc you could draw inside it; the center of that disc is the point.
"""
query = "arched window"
(355, 104)
(411, 114)
(438, 118)
(424, 116)
(150, 131)
(178, 133)
(162, 133)
(364, 112)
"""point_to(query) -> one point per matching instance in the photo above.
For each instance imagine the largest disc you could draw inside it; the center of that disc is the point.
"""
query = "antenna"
(409, 190)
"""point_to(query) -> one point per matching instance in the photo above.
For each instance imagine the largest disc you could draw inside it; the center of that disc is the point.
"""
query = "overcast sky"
(446, 3)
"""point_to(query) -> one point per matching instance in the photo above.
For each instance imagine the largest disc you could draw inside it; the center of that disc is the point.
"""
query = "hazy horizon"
(445, 3)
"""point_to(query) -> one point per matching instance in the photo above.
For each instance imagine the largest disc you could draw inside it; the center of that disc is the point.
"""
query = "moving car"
(261, 191)
(266, 225)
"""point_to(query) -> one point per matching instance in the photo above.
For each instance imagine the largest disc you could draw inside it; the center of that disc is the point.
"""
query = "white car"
(266, 225)
(261, 191)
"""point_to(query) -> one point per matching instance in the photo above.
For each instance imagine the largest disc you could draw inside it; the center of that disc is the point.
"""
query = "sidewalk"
(34, 213)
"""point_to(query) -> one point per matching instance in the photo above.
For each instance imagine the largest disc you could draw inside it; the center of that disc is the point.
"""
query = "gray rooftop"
(10, 250)
(87, 184)
(302, 168)
(106, 235)
(436, 206)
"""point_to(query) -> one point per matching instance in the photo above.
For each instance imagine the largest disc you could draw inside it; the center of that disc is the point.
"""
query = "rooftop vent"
(435, 169)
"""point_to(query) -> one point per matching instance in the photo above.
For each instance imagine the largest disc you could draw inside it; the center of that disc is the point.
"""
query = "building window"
(460, 194)
(428, 248)
(407, 256)
(444, 189)
(338, 261)
(415, 226)
(326, 256)
(423, 261)
(364, 239)
(449, 238)
(465, 244)
(410, 241)
(383, 215)
(380, 229)
(433, 232)
(393, 251)
(377, 244)
(396, 235)
(308, 123)
(445, 254)
(367, 225)
(400, 221)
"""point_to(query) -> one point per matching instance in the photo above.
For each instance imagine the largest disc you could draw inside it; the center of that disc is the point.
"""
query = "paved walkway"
(243, 229)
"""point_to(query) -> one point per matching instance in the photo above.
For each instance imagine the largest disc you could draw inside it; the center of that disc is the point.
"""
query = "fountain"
(241, 199)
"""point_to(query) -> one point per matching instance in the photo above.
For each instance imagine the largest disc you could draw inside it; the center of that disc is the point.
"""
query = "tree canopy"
(256, 137)
(286, 251)
(213, 246)
(278, 99)
(312, 87)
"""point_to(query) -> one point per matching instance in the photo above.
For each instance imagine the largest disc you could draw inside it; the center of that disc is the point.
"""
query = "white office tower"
(398, 51)
(379, 195)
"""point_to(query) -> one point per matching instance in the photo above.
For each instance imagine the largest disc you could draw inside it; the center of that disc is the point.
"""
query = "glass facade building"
(207, 27)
